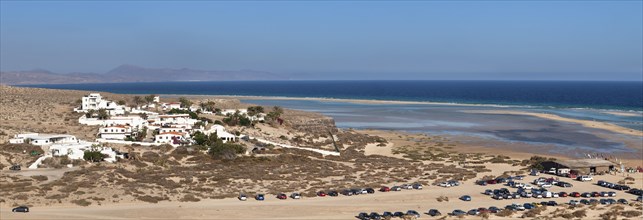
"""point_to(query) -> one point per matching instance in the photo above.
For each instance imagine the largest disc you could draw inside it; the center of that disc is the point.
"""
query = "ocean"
(549, 94)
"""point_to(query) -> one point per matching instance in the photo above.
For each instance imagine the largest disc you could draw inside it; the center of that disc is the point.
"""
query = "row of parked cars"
(449, 183)
(612, 185)
(527, 206)
(499, 180)
(377, 216)
(549, 182)
(261, 197)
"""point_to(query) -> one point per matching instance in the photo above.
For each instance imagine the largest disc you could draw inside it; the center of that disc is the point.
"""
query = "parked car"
(406, 186)
(473, 212)
(413, 213)
(417, 186)
(595, 194)
(623, 201)
(527, 187)
(385, 189)
(494, 209)
(396, 188)
(519, 177)
(611, 194)
(517, 207)
(375, 215)
(370, 190)
(584, 201)
(259, 197)
(321, 194)
(586, 195)
(434, 212)
(20, 209)
(573, 202)
(552, 203)
(242, 197)
(465, 198)
(282, 196)
(387, 214)
(347, 192)
(529, 206)
(16, 167)
(575, 194)
(398, 214)
(562, 194)
(584, 178)
(488, 192)
(604, 194)
(445, 184)
(295, 196)
(333, 193)
(458, 212)
(363, 216)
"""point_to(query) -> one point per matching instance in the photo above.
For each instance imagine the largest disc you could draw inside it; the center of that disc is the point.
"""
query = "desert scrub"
(81, 202)
(189, 198)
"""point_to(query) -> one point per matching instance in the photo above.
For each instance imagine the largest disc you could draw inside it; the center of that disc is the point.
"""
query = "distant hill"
(132, 73)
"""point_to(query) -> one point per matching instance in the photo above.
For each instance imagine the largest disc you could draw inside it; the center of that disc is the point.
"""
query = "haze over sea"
(584, 100)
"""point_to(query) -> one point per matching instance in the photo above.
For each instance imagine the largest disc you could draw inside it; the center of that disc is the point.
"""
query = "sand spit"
(586, 123)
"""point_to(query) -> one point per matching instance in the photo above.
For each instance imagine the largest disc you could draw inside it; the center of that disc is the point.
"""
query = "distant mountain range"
(132, 73)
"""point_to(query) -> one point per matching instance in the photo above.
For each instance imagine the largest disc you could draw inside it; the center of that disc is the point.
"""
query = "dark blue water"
(558, 94)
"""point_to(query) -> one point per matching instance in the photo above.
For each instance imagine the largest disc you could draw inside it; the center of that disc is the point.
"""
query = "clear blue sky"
(546, 40)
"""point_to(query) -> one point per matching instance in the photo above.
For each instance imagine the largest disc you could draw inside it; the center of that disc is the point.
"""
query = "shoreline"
(617, 112)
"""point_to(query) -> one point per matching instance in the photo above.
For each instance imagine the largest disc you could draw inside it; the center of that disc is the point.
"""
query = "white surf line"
(323, 152)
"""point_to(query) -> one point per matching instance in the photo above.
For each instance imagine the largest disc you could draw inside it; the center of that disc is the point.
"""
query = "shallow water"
(567, 138)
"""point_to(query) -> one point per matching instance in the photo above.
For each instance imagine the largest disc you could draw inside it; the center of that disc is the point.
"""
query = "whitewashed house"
(171, 105)
(172, 138)
(133, 121)
(176, 120)
(117, 132)
(171, 129)
(221, 133)
(43, 139)
(244, 112)
(94, 101)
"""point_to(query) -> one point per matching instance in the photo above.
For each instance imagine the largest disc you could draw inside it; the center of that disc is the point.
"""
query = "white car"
(519, 185)
(242, 197)
(573, 202)
(555, 194)
(406, 186)
(546, 185)
(295, 196)
(527, 187)
(526, 194)
(585, 178)
(445, 184)
(518, 207)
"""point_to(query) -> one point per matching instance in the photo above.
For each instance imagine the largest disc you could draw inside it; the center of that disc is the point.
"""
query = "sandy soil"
(341, 207)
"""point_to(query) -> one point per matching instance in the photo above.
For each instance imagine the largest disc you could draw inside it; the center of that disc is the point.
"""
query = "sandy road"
(342, 207)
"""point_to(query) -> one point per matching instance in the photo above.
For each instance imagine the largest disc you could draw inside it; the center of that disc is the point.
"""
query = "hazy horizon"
(595, 41)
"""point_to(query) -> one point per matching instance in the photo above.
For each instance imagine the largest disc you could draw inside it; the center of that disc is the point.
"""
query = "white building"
(133, 121)
(118, 132)
(176, 120)
(221, 133)
(171, 129)
(172, 138)
(94, 101)
(43, 139)
(171, 105)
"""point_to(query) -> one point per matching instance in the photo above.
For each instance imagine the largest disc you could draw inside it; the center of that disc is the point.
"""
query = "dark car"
(282, 196)
(563, 194)
(465, 198)
(494, 209)
(375, 215)
(413, 213)
(584, 201)
(552, 203)
(333, 193)
(347, 192)
(595, 194)
(623, 201)
(458, 212)
(473, 212)
(370, 190)
(529, 206)
(398, 214)
(586, 195)
(481, 182)
(385, 214)
(434, 212)
(363, 216)
(575, 194)
(20, 209)
(488, 192)
(259, 197)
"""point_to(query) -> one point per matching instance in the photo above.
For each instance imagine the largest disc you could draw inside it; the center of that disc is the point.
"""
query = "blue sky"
(531, 40)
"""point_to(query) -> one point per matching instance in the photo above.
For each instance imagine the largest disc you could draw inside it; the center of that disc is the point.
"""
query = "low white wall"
(323, 152)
